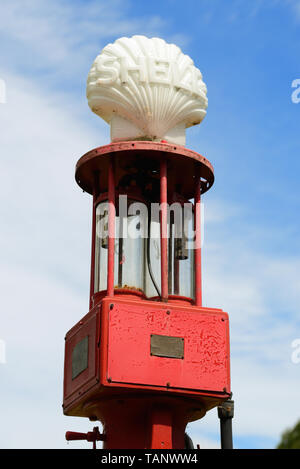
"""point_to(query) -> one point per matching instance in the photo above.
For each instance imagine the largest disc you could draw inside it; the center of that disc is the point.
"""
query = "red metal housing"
(145, 367)
(119, 352)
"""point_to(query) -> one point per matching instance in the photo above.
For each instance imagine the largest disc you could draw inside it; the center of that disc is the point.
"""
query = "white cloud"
(59, 41)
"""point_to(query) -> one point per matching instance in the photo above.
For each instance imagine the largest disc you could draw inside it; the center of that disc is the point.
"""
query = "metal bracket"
(226, 410)
(93, 436)
(225, 414)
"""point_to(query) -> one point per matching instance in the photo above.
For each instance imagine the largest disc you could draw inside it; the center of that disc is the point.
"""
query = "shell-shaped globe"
(147, 87)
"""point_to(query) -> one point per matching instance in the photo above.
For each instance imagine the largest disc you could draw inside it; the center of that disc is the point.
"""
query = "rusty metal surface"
(137, 156)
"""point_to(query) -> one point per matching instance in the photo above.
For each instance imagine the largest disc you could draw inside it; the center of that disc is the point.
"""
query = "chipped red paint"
(164, 229)
(145, 398)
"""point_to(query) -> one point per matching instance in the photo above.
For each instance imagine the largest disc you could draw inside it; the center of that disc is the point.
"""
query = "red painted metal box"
(128, 344)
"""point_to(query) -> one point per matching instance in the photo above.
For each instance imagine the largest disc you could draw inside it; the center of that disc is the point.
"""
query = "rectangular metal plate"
(167, 346)
(80, 357)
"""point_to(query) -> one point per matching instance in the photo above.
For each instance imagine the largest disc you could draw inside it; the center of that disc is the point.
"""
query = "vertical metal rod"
(225, 414)
(170, 259)
(164, 229)
(120, 251)
(94, 238)
(176, 275)
(197, 250)
(226, 433)
(120, 257)
(111, 228)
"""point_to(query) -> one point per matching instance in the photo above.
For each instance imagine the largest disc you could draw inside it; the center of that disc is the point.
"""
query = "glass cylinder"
(137, 257)
(180, 252)
(129, 256)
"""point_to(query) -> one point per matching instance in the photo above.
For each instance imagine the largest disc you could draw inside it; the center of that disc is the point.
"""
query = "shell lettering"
(146, 88)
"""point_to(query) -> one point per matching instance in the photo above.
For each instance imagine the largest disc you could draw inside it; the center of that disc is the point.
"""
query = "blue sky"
(248, 53)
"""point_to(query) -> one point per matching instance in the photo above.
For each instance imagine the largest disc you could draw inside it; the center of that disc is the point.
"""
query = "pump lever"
(93, 436)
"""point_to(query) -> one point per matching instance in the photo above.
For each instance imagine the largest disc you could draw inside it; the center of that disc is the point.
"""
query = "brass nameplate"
(80, 356)
(166, 346)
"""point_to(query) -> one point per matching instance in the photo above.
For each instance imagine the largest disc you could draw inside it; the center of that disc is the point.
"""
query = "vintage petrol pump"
(148, 357)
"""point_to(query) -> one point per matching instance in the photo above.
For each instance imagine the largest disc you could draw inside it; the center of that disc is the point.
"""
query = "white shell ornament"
(146, 89)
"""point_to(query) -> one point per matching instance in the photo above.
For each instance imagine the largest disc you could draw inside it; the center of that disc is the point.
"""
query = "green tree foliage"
(290, 439)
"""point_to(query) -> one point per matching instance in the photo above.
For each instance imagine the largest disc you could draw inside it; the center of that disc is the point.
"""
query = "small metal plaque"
(166, 346)
(80, 357)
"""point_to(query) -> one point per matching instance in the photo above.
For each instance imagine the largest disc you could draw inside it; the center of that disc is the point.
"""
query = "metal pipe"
(226, 433)
(225, 414)
(164, 229)
(197, 253)
(176, 275)
(170, 259)
(111, 228)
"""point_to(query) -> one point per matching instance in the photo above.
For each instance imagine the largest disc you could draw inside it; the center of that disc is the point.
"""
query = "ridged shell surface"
(148, 82)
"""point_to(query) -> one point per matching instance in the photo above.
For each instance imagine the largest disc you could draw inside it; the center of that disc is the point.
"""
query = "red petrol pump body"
(147, 358)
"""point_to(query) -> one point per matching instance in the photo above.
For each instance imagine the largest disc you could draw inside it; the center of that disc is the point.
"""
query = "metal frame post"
(197, 253)
(111, 228)
(164, 229)
(94, 237)
(225, 414)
